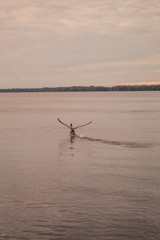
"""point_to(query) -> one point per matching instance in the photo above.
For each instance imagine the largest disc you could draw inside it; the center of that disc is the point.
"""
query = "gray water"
(103, 184)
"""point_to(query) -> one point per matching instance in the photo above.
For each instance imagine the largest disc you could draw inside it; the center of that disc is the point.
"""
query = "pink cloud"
(141, 83)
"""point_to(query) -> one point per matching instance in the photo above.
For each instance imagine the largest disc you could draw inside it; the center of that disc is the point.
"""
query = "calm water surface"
(103, 184)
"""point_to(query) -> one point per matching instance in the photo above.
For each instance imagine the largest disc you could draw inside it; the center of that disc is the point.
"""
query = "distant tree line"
(86, 89)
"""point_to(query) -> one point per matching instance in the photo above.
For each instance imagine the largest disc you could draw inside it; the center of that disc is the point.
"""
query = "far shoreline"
(117, 88)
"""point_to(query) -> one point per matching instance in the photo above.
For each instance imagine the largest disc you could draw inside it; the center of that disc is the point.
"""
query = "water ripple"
(119, 143)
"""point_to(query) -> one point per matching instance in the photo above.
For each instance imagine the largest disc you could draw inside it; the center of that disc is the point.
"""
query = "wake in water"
(120, 143)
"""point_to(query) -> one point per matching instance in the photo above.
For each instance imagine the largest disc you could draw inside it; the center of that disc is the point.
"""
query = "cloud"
(53, 40)
(141, 83)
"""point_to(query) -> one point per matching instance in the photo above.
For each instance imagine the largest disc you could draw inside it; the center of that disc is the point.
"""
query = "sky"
(50, 43)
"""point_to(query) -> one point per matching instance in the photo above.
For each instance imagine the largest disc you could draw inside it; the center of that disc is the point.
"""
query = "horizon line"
(86, 86)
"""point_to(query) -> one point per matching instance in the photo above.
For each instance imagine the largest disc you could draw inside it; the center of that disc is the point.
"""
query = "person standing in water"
(72, 129)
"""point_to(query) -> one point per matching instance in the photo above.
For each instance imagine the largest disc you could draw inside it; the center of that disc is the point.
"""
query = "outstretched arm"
(63, 123)
(83, 125)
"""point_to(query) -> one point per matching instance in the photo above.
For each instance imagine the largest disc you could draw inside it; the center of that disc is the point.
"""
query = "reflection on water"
(103, 184)
(73, 148)
(72, 139)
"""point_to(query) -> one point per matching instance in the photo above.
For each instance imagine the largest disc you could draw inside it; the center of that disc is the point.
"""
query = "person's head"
(71, 125)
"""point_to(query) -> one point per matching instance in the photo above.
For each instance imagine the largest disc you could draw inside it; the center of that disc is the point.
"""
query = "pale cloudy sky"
(49, 43)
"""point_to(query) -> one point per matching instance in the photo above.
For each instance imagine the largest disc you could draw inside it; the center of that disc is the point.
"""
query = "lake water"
(103, 184)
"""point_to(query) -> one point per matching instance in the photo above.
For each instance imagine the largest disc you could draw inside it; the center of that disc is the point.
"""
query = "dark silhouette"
(72, 129)
(87, 89)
